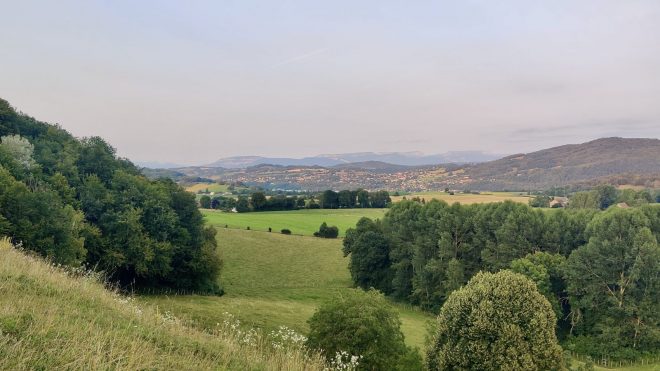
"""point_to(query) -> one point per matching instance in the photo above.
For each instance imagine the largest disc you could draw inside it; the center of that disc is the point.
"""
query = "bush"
(327, 232)
(362, 324)
(497, 321)
(286, 231)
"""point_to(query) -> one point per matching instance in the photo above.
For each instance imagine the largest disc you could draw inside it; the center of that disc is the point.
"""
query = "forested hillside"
(75, 202)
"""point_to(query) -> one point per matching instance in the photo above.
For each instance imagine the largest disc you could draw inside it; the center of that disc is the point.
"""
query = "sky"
(189, 82)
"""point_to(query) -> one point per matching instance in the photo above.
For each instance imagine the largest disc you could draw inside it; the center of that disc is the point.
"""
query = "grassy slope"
(50, 320)
(304, 222)
(273, 280)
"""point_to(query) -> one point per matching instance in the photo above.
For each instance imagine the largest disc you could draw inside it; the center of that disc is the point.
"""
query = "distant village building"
(559, 202)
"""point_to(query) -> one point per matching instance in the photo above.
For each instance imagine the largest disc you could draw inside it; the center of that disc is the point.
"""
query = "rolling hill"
(633, 161)
(328, 160)
(570, 164)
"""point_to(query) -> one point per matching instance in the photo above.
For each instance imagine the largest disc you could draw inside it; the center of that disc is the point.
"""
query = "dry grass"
(51, 319)
(467, 199)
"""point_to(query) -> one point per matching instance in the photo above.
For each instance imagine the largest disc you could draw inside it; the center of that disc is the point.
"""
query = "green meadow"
(301, 222)
(272, 279)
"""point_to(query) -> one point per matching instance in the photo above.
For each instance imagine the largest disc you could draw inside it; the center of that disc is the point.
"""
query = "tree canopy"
(75, 202)
(496, 322)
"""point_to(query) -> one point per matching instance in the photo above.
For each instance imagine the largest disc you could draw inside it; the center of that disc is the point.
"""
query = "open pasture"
(272, 279)
(302, 222)
(467, 199)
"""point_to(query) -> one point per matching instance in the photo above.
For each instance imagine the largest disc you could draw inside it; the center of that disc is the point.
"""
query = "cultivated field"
(212, 187)
(304, 222)
(467, 199)
(272, 279)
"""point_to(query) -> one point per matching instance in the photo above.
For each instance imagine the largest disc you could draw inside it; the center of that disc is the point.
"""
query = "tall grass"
(54, 319)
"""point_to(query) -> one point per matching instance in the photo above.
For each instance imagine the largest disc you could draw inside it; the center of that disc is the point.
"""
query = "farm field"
(467, 199)
(272, 279)
(302, 222)
(212, 187)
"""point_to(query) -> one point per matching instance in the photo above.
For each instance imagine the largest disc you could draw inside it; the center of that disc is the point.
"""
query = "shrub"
(497, 321)
(286, 231)
(327, 232)
(363, 325)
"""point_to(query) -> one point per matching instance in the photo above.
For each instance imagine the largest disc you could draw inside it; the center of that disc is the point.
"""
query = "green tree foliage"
(19, 148)
(362, 324)
(369, 250)
(497, 321)
(584, 200)
(607, 195)
(614, 281)
(258, 201)
(362, 198)
(242, 204)
(329, 199)
(347, 199)
(540, 201)
(75, 202)
(545, 270)
(326, 231)
(205, 202)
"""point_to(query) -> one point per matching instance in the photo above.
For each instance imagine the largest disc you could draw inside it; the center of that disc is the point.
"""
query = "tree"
(362, 324)
(258, 201)
(497, 321)
(242, 204)
(540, 201)
(205, 202)
(607, 196)
(19, 148)
(614, 283)
(346, 199)
(362, 198)
(379, 199)
(369, 250)
(329, 200)
(584, 200)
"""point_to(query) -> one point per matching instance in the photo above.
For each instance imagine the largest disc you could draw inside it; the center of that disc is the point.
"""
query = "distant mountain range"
(633, 161)
(394, 158)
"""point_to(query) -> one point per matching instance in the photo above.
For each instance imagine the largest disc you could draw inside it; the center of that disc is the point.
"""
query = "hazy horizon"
(191, 83)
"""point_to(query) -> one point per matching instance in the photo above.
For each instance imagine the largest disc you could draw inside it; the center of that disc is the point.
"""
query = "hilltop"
(570, 164)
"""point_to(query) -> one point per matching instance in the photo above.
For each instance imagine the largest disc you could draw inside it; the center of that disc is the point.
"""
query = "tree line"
(77, 203)
(259, 201)
(600, 270)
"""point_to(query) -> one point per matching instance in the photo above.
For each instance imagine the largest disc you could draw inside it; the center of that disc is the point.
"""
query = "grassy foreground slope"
(304, 222)
(52, 320)
(272, 279)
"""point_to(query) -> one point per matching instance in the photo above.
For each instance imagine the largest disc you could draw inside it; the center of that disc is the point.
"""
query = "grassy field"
(468, 199)
(53, 320)
(212, 187)
(304, 222)
(273, 279)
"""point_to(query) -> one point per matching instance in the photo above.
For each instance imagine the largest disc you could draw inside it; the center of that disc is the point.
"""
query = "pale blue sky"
(192, 81)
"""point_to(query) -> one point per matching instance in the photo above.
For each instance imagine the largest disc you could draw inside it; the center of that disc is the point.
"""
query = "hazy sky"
(192, 81)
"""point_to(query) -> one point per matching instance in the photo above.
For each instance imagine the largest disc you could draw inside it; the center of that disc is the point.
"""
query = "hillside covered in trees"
(600, 270)
(75, 202)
